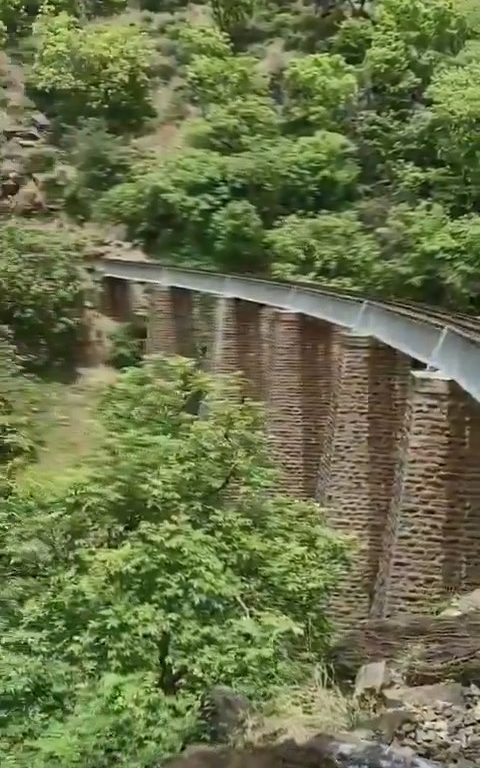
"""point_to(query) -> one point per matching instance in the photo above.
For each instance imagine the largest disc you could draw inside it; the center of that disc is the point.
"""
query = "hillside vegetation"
(334, 141)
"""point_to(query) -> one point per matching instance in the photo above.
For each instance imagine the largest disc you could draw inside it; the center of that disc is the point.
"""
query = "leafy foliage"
(172, 208)
(327, 248)
(355, 113)
(101, 160)
(102, 70)
(126, 346)
(218, 80)
(16, 14)
(200, 40)
(237, 125)
(17, 435)
(167, 568)
(320, 89)
(40, 292)
(232, 14)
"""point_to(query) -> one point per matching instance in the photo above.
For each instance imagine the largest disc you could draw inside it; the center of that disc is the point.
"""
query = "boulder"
(224, 712)
(425, 695)
(442, 730)
(319, 752)
(426, 649)
(464, 604)
(372, 678)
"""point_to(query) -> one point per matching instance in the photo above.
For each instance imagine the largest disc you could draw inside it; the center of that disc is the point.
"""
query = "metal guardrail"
(447, 342)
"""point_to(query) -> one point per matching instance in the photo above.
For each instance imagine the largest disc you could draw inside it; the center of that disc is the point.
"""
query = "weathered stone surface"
(356, 476)
(464, 604)
(372, 677)
(170, 328)
(425, 695)
(224, 712)
(297, 389)
(428, 648)
(320, 752)
(446, 728)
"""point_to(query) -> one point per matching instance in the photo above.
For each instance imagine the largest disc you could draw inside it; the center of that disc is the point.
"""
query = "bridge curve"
(444, 341)
(391, 452)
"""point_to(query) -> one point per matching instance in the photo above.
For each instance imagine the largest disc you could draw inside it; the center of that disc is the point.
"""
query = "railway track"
(440, 339)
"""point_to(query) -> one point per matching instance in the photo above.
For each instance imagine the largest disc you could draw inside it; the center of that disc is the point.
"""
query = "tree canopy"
(376, 113)
(167, 566)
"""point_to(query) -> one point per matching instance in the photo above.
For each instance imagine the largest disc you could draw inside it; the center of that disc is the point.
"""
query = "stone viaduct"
(372, 410)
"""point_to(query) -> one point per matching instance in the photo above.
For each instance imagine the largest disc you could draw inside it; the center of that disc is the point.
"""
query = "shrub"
(126, 346)
(87, 71)
(41, 290)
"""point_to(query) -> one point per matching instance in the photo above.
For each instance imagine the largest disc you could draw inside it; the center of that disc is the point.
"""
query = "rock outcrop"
(438, 722)
(428, 649)
(320, 752)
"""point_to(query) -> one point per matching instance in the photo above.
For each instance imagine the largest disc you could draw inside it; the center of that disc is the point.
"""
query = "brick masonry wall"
(170, 324)
(425, 561)
(357, 473)
(297, 390)
(116, 299)
(160, 323)
(471, 483)
(238, 346)
(204, 320)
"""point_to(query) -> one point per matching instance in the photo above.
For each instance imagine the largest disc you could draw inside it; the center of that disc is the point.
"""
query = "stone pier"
(423, 559)
(357, 473)
(170, 326)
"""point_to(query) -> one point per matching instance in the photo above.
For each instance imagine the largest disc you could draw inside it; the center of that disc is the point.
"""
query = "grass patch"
(68, 427)
(304, 712)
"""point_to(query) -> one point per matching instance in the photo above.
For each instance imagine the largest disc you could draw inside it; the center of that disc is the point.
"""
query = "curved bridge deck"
(439, 339)
(391, 452)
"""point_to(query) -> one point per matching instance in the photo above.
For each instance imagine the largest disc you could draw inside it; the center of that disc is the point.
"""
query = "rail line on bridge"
(447, 342)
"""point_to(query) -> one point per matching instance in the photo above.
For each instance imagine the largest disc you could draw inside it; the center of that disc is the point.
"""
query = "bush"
(16, 14)
(237, 125)
(41, 289)
(200, 41)
(333, 249)
(237, 236)
(126, 346)
(101, 160)
(92, 71)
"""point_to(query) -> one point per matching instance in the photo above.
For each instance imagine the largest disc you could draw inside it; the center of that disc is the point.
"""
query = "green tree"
(18, 14)
(454, 119)
(334, 249)
(11, 13)
(216, 80)
(101, 160)
(237, 237)
(169, 207)
(168, 568)
(86, 71)
(201, 40)
(308, 173)
(430, 257)
(17, 435)
(236, 125)
(321, 90)
(232, 15)
(41, 290)
(411, 38)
